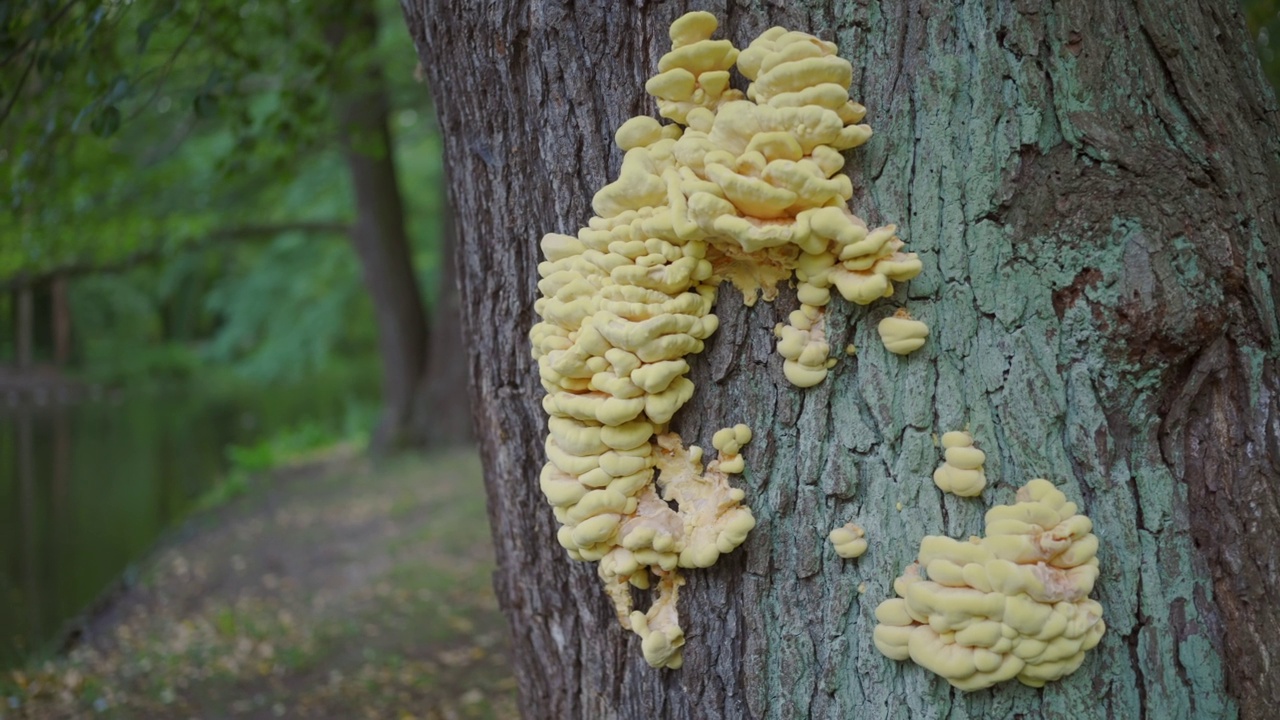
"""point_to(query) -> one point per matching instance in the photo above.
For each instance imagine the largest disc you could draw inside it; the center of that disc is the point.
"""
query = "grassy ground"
(331, 592)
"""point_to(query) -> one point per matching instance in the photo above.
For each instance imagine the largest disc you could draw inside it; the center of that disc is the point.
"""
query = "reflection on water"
(85, 489)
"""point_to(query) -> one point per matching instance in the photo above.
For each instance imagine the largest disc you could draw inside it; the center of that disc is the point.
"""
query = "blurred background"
(224, 253)
(225, 263)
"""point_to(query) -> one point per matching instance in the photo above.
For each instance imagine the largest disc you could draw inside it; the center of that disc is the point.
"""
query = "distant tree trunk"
(424, 391)
(1091, 187)
(443, 410)
(61, 311)
(379, 235)
(24, 327)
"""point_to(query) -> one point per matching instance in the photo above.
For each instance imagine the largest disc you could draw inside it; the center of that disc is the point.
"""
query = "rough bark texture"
(1091, 187)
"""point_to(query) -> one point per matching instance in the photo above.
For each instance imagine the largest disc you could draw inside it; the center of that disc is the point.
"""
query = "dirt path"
(340, 592)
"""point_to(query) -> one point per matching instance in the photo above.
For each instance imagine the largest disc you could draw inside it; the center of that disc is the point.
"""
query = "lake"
(87, 487)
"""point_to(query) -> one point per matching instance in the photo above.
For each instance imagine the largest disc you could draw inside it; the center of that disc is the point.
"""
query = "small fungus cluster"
(1012, 604)
(745, 187)
(961, 471)
(901, 334)
(849, 540)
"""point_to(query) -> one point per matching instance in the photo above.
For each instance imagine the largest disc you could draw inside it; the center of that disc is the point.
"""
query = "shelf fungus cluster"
(1013, 604)
(902, 334)
(850, 540)
(745, 187)
(961, 470)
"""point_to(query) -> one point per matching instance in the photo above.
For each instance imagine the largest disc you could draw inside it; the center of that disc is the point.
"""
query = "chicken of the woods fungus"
(849, 541)
(1013, 604)
(745, 187)
(902, 334)
(961, 470)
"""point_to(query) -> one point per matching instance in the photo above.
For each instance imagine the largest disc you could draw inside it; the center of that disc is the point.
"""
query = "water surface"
(87, 487)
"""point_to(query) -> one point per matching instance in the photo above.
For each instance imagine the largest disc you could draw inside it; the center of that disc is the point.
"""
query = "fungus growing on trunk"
(902, 334)
(745, 188)
(1012, 604)
(849, 540)
(961, 471)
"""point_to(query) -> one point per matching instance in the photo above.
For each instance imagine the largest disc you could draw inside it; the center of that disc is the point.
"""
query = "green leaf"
(107, 122)
(205, 105)
(212, 81)
(145, 28)
(118, 90)
(60, 60)
(148, 26)
(95, 19)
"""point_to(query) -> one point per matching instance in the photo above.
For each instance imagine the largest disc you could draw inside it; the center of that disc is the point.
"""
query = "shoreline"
(337, 588)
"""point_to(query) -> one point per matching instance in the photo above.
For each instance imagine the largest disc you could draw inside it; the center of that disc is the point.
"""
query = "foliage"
(1263, 17)
(324, 303)
(172, 132)
(301, 442)
(307, 441)
(201, 106)
(123, 329)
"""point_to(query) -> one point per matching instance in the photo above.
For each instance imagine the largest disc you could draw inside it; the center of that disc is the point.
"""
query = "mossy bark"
(1092, 189)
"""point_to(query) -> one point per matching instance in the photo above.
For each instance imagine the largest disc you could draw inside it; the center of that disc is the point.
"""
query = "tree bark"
(1091, 187)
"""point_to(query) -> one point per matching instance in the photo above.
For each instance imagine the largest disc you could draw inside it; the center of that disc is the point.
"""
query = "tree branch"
(168, 66)
(17, 90)
(153, 254)
(57, 16)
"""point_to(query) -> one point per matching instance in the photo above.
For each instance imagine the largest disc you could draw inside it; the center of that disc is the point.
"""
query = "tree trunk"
(24, 327)
(1091, 187)
(380, 238)
(61, 322)
(423, 364)
(443, 407)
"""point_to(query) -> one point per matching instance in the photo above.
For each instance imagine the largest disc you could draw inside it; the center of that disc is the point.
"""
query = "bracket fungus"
(849, 540)
(901, 334)
(745, 187)
(1013, 604)
(961, 471)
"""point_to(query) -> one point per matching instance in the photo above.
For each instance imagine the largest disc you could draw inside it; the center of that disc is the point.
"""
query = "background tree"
(143, 134)
(1092, 190)
(1263, 17)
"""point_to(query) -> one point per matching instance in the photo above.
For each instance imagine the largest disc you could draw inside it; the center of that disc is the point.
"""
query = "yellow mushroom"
(729, 442)
(901, 334)
(743, 187)
(961, 471)
(1013, 604)
(849, 540)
